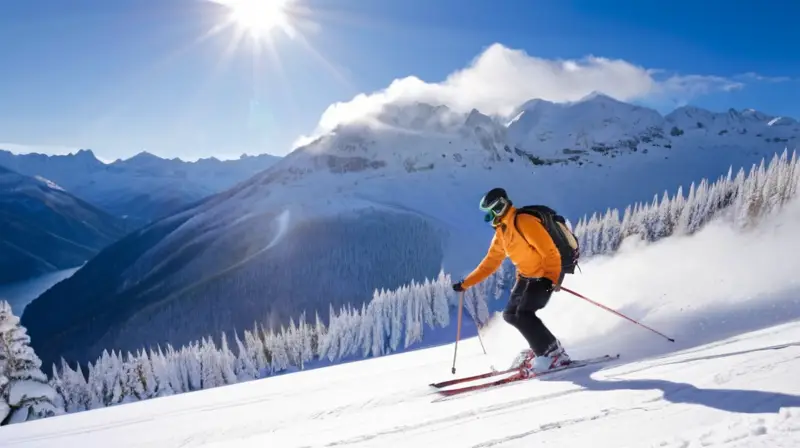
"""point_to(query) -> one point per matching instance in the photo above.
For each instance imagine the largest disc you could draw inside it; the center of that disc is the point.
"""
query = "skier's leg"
(534, 331)
(511, 315)
(515, 299)
(547, 348)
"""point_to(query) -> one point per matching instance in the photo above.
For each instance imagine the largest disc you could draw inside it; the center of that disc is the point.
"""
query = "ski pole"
(479, 338)
(484, 348)
(458, 329)
(616, 312)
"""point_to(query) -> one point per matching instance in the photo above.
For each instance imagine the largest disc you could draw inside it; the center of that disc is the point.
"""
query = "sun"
(258, 17)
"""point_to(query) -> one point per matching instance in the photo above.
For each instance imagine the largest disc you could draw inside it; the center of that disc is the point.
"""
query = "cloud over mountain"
(499, 79)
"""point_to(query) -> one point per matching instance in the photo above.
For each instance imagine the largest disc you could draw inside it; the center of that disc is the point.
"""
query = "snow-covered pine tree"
(365, 330)
(190, 358)
(162, 374)
(683, 225)
(293, 343)
(5, 408)
(772, 194)
(319, 332)
(306, 341)
(377, 317)
(226, 361)
(349, 335)
(60, 399)
(132, 386)
(625, 226)
(71, 385)
(329, 345)
(440, 306)
(413, 316)
(784, 179)
(663, 227)
(426, 302)
(678, 203)
(81, 396)
(395, 320)
(26, 392)
(210, 368)
(255, 349)
(144, 368)
(275, 344)
(244, 368)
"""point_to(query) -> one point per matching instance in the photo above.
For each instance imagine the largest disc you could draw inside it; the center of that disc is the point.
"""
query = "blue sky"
(124, 76)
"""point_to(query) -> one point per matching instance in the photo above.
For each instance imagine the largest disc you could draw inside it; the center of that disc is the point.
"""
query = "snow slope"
(143, 187)
(729, 380)
(373, 204)
(736, 393)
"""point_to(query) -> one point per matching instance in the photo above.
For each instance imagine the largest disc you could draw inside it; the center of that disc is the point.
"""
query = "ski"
(479, 376)
(517, 376)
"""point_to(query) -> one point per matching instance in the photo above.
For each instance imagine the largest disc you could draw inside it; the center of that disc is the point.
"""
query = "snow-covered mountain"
(600, 126)
(141, 188)
(373, 205)
(45, 229)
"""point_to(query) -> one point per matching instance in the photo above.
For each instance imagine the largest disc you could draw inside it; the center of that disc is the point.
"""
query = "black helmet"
(495, 203)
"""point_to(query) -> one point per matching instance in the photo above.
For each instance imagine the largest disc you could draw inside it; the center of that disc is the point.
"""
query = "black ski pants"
(528, 296)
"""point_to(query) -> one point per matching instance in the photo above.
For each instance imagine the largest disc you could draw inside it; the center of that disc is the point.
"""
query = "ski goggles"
(493, 209)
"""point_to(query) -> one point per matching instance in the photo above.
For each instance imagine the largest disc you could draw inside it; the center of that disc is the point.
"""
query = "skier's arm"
(493, 259)
(537, 236)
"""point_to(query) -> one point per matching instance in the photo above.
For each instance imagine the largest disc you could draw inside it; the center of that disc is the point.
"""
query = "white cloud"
(500, 79)
(752, 76)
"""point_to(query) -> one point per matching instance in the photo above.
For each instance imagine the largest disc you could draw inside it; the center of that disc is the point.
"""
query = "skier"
(539, 273)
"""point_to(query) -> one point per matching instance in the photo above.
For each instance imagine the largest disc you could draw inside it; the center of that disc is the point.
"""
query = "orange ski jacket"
(533, 253)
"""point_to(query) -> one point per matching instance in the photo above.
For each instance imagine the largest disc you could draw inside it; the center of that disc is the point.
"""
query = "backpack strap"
(520, 232)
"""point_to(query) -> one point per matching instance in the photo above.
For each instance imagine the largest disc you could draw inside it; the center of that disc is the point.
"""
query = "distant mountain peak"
(145, 155)
(599, 96)
(85, 153)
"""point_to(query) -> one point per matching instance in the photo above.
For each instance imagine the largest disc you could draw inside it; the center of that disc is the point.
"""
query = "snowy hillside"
(45, 229)
(728, 380)
(373, 204)
(141, 188)
(740, 392)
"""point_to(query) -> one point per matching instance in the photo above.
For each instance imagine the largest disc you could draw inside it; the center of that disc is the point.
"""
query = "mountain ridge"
(141, 188)
(369, 205)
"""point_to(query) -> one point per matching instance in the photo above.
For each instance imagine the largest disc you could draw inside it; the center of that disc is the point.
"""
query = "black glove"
(546, 284)
(458, 287)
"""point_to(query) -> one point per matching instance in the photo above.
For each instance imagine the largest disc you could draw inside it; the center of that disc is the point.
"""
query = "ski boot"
(522, 359)
(554, 356)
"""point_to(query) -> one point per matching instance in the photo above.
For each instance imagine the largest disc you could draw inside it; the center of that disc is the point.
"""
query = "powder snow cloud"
(500, 79)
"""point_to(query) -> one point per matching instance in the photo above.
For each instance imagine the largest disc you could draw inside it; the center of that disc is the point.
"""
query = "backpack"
(562, 236)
